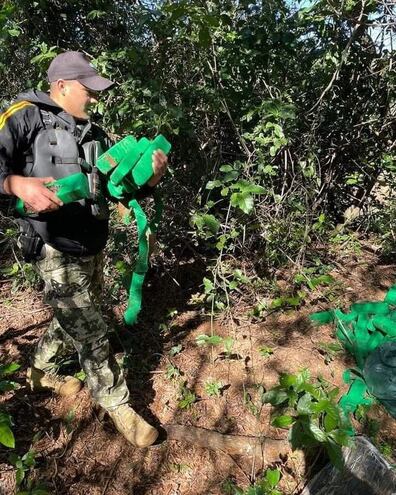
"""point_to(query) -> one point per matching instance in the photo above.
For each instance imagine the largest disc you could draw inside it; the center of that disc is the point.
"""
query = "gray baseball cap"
(76, 66)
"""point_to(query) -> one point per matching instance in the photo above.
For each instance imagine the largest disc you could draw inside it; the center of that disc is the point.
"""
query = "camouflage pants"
(72, 287)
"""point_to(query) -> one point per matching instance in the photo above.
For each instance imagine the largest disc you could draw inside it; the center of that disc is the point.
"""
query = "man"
(65, 242)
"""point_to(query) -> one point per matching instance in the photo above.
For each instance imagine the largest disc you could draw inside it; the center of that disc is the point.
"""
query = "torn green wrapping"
(390, 297)
(368, 325)
(322, 317)
(386, 325)
(356, 396)
(370, 308)
(345, 317)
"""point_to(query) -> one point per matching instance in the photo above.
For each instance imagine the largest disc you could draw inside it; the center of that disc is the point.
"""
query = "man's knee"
(84, 325)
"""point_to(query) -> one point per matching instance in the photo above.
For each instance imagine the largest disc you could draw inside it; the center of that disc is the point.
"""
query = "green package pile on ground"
(368, 332)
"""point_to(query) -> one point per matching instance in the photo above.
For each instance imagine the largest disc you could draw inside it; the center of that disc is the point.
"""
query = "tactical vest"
(58, 151)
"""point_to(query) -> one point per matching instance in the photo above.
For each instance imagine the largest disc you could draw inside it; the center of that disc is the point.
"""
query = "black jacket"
(71, 229)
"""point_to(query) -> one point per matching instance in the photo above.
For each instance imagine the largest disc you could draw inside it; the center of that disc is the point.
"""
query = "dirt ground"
(79, 452)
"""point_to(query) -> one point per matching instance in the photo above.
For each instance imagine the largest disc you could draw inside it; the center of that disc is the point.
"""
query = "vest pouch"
(30, 242)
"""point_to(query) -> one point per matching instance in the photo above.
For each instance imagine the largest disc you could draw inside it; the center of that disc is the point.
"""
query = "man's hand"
(33, 192)
(160, 164)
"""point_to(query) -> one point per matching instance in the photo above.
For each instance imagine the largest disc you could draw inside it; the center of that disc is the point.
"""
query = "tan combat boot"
(134, 428)
(61, 385)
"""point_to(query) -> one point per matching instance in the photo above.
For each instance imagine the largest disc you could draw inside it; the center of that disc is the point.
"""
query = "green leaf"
(274, 397)
(8, 369)
(230, 176)
(334, 452)
(172, 372)
(228, 343)
(213, 388)
(175, 350)
(273, 477)
(332, 418)
(29, 459)
(14, 32)
(269, 170)
(243, 201)
(226, 168)
(212, 184)
(265, 351)
(341, 437)
(95, 14)
(6, 435)
(208, 285)
(304, 405)
(282, 421)
(187, 398)
(7, 385)
(80, 375)
(316, 432)
(253, 189)
(287, 380)
(211, 223)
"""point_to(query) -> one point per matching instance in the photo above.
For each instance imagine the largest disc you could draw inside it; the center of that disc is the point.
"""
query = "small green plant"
(265, 351)
(267, 485)
(386, 449)
(252, 406)
(187, 397)
(81, 375)
(215, 340)
(330, 350)
(288, 301)
(6, 434)
(175, 350)
(228, 343)
(6, 370)
(166, 326)
(179, 468)
(312, 280)
(213, 388)
(22, 275)
(69, 419)
(312, 414)
(172, 372)
(206, 340)
(24, 465)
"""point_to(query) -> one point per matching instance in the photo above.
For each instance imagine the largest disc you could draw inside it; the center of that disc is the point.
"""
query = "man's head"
(75, 83)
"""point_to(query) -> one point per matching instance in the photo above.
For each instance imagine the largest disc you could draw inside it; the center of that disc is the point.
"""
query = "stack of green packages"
(368, 332)
(128, 166)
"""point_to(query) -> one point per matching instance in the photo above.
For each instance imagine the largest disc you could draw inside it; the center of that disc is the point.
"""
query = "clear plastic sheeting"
(366, 472)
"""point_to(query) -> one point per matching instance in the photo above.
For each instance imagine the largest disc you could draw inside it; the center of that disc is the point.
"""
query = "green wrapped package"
(128, 164)
(68, 189)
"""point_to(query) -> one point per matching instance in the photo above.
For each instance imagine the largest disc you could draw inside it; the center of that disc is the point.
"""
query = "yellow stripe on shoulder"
(11, 110)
